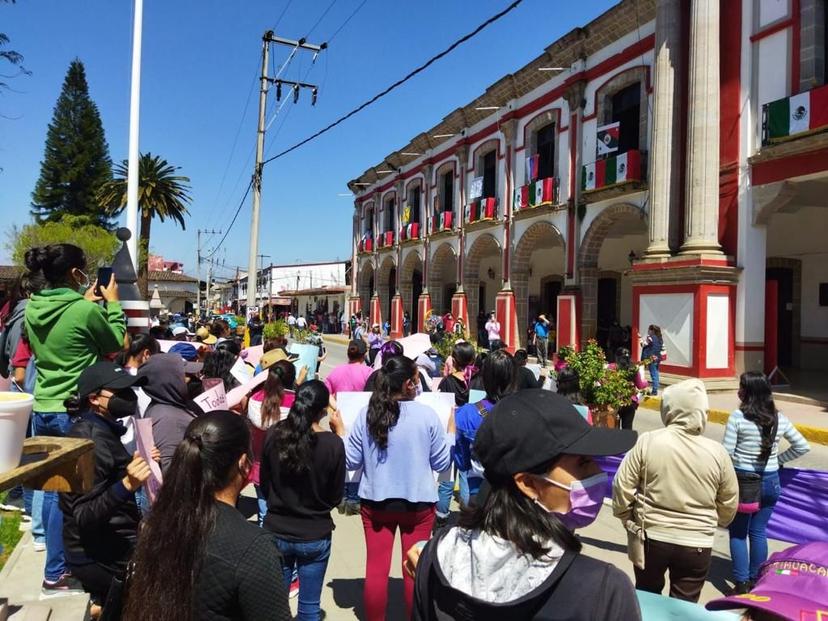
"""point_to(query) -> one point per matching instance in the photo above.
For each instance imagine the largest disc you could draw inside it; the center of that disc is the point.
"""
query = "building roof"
(165, 276)
(177, 293)
(314, 291)
(578, 43)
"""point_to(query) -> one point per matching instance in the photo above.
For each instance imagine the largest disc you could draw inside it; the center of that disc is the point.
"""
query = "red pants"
(380, 529)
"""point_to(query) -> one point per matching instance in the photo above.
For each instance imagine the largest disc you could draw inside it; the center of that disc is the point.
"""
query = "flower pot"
(604, 416)
(15, 409)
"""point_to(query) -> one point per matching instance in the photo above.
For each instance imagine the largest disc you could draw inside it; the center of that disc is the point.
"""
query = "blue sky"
(200, 61)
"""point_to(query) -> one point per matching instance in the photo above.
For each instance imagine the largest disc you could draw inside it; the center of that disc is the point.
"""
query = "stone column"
(701, 231)
(509, 130)
(575, 99)
(463, 160)
(663, 175)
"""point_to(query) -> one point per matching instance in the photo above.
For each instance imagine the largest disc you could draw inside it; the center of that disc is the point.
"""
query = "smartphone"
(104, 276)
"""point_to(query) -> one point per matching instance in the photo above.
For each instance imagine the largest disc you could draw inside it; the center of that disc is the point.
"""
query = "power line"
(398, 83)
(281, 15)
(321, 17)
(345, 23)
(233, 221)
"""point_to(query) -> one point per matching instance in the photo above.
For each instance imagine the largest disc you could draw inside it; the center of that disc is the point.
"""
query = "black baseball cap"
(105, 374)
(534, 427)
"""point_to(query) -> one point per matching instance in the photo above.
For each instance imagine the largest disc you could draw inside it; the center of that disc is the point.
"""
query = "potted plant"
(603, 389)
(275, 329)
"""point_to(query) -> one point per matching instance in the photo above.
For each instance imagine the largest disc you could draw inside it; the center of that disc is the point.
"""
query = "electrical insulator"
(314, 92)
(295, 93)
(278, 91)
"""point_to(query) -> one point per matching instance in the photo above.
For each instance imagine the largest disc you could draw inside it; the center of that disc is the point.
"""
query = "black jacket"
(580, 588)
(101, 524)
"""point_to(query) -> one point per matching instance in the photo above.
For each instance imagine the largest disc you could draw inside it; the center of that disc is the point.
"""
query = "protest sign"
(307, 358)
(535, 369)
(241, 371)
(252, 355)
(235, 396)
(476, 395)
(415, 345)
(212, 399)
(350, 404)
(144, 442)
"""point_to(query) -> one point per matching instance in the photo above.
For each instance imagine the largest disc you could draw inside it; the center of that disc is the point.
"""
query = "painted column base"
(568, 330)
(460, 309)
(354, 305)
(423, 311)
(506, 311)
(396, 316)
(138, 316)
(376, 313)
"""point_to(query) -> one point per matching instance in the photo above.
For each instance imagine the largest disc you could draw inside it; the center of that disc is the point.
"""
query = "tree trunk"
(143, 254)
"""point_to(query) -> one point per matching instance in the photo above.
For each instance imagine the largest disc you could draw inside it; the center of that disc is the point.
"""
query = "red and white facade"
(702, 221)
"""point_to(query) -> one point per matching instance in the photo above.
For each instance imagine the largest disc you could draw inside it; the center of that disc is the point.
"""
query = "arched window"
(545, 150)
(487, 168)
(623, 99)
(388, 214)
(414, 201)
(625, 110)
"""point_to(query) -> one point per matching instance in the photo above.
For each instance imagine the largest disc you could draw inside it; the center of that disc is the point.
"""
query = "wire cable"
(396, 84)
(345, 23)
(321, 17)
(233, 221)
(282, 14)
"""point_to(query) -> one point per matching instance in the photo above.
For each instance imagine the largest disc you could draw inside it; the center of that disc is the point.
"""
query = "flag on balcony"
(532, 168)
(412, 231)
(608, 138)
(797, 114)
(521, 197)
(588, 179)
(473, 211)
(445, 220)
(544, 191)
(488, 208)
(406, 214)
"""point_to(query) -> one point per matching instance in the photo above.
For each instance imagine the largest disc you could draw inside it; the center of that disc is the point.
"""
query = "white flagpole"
(134, 111)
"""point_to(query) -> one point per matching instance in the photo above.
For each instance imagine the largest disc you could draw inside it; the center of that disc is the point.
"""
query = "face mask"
(585, 499)
(83, 285)
(123, 404)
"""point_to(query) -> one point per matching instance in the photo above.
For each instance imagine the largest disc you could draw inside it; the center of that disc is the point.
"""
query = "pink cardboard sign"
(144, 442)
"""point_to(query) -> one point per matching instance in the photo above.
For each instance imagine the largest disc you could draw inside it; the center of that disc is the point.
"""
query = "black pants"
(627, 414)
(95, 579)
(688, 569)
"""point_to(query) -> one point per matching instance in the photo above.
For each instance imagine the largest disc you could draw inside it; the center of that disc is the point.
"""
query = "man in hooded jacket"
(677, 486)
(170, 409)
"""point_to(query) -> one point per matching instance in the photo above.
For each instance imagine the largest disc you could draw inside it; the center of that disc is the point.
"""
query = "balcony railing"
(442, 222)
(611, 171)
(536, 194)
(795, 116)
(410, 231)
(385, 240)
(366, 244)
(481, 209)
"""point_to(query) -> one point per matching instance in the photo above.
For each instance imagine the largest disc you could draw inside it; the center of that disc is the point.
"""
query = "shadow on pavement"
(604, 545)
(347, 595)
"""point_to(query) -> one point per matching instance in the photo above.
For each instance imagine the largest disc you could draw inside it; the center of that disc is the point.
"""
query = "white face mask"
(84, 284)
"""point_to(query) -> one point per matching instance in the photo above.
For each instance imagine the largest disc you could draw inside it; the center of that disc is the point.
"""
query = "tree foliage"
(76, 160)
(12, 57)
(98, 244)
(162, 194)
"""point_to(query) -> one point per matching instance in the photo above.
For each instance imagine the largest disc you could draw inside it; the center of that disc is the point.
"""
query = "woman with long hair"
(303, 478)
(513, 554)
(264, 409)
(197, 557)
(68, 331)
(399, 444)
(623, 362)
(458, 381)
(651, 346)
(752, 439)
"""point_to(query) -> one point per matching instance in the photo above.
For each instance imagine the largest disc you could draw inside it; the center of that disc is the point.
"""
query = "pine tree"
(76, 161)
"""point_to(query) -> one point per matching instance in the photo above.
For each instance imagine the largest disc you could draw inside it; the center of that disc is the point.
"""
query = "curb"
(816, 435)
(336, 338)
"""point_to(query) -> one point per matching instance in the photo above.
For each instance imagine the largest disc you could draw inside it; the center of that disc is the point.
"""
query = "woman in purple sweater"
(399, 444)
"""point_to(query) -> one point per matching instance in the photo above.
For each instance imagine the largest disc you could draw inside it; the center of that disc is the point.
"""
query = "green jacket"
(68, 333)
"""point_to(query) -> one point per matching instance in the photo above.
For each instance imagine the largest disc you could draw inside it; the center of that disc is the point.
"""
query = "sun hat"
(203, 335)
(273, 356)
(792, 584)
(534, 427)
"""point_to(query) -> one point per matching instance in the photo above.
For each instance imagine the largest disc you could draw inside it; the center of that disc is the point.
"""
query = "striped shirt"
(743, 441)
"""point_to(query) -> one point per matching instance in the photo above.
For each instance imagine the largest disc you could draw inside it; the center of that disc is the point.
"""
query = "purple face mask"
(585, 499)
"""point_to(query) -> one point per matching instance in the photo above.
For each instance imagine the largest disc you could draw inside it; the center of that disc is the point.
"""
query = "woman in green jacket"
(68, 331)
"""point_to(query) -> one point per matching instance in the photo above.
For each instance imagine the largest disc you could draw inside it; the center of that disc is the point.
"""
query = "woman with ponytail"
(68, 331)
(459, 381)
(303, 478)
(197, 557)
(752, 439)
(399, 444)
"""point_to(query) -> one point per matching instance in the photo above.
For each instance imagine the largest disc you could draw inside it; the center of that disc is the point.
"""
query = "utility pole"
(198, 267)
(209, 279)
(133, 154)
(267, 39)
(261, 263)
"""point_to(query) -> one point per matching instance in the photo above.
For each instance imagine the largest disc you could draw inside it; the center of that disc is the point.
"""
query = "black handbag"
(750, 484)
(114, 604)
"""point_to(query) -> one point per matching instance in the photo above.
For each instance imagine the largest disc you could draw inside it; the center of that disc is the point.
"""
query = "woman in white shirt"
(493, 330)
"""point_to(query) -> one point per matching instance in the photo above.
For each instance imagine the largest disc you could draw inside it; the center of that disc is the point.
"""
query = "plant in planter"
(275, 329)
(603, 389)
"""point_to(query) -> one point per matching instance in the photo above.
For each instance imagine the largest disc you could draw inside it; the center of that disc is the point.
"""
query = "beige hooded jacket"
(674, 482)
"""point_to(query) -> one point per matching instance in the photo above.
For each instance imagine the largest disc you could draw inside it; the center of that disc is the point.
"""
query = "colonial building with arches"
(665, 164)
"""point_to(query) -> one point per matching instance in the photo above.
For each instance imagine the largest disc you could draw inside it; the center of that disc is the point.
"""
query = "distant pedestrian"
(301, 323)
(525, 378)
(541, 330)
(375, 341)
(399, 444)
(291, 321)
(652, 344)
(493, 333)
(671, 492)
(752, 440)
(634, 375)
(406, 323)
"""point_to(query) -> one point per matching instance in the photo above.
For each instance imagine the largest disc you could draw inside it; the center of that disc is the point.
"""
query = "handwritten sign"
(144, 442)
(307, 358)
(252, 355)
(235, 396)
(214, 398)
(241, 371)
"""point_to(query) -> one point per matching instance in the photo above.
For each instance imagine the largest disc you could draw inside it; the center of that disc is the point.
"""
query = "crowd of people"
(159, 536)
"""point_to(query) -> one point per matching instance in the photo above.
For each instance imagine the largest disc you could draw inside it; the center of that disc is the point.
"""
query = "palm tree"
(161, 194)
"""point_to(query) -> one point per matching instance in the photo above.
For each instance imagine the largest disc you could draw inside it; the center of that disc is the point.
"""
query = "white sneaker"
(39, 546)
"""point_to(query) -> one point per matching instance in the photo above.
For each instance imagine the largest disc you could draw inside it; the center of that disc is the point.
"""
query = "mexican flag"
(544, 191)
(445, 220)
(521, 197)
(413, 230)
(488, 208)
(796, 114)
(624, 167)
(473, 211)
(588, 178)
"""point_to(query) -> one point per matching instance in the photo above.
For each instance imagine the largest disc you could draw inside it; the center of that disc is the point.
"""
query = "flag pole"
(134, 111)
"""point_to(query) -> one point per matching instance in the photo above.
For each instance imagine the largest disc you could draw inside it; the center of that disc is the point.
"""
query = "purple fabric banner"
(801, 514)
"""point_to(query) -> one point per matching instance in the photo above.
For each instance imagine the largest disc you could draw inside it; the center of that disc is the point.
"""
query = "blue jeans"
(33, 498)
(352, 492)
(754, 526)
(445, 490)
(653, 368)
(311, 558)
(261, 500)
(463, 484)
(52, 424)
